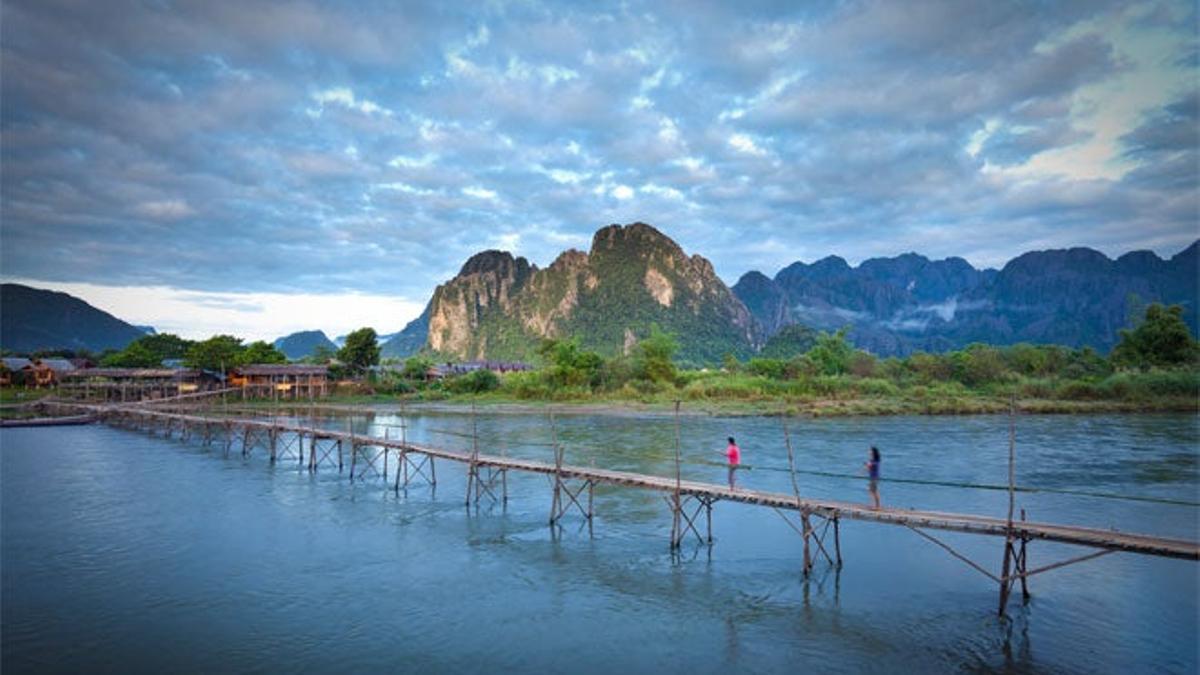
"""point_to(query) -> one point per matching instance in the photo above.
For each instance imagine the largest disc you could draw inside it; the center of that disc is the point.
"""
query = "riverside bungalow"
(448, 369)
(13, 369)
(135, 384)
(291, 380)
(47, 372)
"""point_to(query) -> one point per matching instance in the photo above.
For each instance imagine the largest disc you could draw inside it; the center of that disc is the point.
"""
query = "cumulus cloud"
(167, 209)
(332, 146)
(345, 98)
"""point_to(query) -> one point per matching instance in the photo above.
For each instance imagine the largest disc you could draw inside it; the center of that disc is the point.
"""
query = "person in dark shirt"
(872, 466)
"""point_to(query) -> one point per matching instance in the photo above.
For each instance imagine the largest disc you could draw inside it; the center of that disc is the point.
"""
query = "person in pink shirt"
(734, 455)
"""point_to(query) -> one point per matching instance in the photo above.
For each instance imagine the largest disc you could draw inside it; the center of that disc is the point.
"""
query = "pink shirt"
(734, 455)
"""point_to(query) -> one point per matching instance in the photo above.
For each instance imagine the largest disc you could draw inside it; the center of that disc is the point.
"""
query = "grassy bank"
(851, 395)
(709, 392)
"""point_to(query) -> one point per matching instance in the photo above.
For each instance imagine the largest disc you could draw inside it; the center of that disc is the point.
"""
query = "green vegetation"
(1152, 369)
(361, 350)
(215, 353)
(261, 352)
(1162, 339)
(148, 351)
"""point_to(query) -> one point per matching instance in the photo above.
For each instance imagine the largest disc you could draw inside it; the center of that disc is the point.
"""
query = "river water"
(132, 553)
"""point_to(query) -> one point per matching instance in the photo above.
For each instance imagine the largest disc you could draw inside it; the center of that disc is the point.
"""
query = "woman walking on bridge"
(872, 466)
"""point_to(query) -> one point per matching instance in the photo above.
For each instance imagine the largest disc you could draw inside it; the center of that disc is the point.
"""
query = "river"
(121, 551)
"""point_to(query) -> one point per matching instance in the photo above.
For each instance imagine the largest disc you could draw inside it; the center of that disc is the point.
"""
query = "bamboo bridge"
(573, 487)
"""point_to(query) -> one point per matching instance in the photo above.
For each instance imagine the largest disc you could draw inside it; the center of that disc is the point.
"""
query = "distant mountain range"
(302, 344)
(634, 277)
(1075, 297)
(32, 319)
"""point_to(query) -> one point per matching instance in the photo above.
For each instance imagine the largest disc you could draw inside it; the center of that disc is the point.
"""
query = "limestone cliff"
(633, 277)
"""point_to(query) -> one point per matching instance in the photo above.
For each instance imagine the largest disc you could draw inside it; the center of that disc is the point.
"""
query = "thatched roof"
(130, 373)
(282, 369)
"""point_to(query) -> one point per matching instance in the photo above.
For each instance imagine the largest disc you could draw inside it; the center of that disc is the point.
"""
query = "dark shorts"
(874, 485)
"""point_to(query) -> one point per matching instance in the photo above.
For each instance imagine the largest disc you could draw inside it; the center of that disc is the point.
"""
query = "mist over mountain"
(634, 277)
(1075, 297)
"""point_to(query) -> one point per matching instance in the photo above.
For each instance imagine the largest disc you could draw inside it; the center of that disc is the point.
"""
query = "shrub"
(1076, 390)
(863, 364)
(930, 367)
(474, 382)
(832, 353)
(871, 386)
(1163, 339)
(1038, 387)
(775, 368)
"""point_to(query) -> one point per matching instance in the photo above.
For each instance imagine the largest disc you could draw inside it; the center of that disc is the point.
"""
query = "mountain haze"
(1075, 297)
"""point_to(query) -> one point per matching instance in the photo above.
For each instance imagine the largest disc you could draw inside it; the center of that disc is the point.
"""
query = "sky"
(264, 167)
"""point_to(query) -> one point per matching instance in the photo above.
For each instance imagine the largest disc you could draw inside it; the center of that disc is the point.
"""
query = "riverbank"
(495, 402)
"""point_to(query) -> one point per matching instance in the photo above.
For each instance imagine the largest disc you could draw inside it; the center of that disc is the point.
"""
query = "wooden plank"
(955, 522)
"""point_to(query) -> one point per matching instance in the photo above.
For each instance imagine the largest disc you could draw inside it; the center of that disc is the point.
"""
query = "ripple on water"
(114, 543)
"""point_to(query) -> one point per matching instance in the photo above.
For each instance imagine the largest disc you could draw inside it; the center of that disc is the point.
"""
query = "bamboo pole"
(837, 539)
(473, 467)
(787, 439)
(676, 534)
(556, 499)
(1006, 583)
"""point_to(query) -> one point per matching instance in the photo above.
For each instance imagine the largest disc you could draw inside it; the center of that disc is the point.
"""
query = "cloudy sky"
(263, 167)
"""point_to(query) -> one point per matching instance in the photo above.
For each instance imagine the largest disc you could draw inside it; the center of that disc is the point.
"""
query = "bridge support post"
(806, 527)
(1022, 566)
(1005, 581)
(837, 539)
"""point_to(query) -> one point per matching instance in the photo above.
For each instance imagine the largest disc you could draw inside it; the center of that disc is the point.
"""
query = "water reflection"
(229, 560)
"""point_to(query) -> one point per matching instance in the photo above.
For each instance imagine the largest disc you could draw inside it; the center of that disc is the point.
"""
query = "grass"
(722, 393)
(22, 395)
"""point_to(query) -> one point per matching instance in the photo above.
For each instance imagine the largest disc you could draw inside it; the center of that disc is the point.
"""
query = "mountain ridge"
(893, 306)
(632, 278)
(34, 319)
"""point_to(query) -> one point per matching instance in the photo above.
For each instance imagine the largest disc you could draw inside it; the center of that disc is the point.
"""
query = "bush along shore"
(1155, 367)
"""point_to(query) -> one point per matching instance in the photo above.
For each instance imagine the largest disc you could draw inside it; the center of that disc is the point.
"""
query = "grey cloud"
(189, 134)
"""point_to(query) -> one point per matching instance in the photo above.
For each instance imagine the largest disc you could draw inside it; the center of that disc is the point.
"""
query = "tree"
(165, 345)
(568, 364)
(215, 353)
(148, 351)
(136, 355)
(416, 367)
(831, 353)
(261, 352)
(978, 364)
(321, 355)
(474, 382)
(654, 356)
(361, 350)
(1162, 339)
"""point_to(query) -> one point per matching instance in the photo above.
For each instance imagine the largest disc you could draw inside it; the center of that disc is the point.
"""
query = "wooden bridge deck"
(1110, 540)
